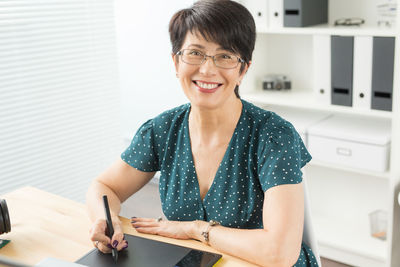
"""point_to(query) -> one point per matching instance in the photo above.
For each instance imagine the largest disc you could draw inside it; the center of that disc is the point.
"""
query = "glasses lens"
(195, 57)
(192, 56)
(226, 61)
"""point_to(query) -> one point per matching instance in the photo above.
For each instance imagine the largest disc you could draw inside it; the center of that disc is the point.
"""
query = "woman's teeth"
(207, 85)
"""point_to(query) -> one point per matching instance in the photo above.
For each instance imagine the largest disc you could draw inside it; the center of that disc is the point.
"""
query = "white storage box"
(356, 142)
(301, 119)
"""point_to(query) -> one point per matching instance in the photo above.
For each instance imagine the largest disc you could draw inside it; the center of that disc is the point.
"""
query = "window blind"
(59, 97)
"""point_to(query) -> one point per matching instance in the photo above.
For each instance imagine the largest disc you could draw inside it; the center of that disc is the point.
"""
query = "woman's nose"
(208, 67)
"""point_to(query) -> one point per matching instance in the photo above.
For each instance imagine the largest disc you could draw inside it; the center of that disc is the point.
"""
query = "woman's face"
(206, 85)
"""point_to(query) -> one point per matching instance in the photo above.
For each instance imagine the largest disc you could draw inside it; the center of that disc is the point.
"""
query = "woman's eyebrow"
(202, 47)
(197, 45)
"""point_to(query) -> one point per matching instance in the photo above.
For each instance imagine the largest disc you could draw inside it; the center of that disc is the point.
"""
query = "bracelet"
(205, 233)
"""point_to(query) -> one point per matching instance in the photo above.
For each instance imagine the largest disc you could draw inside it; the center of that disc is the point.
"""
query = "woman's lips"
(207, 87)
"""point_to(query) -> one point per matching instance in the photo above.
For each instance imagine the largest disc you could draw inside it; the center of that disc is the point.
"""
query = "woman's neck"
(211, 126)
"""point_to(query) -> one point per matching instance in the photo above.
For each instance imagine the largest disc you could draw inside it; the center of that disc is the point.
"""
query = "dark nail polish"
(126, 246)
(109, 246)
(133, 217)
(115, 243)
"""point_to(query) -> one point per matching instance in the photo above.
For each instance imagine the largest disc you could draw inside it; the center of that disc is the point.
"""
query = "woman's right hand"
(102, 241)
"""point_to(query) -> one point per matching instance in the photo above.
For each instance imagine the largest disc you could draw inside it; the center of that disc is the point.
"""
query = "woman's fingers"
(145, 224)
(105, 248)
(136, 219)
(97, 233)
(166, 228)
(122, 245)
(118, 237)
(148, 230)
(100, 237)
(102, 241)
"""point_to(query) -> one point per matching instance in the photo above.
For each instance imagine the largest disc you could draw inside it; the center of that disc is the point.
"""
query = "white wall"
(147, 75)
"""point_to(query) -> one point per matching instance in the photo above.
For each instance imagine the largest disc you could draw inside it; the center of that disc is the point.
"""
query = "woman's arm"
(118, 182)
(278, 244)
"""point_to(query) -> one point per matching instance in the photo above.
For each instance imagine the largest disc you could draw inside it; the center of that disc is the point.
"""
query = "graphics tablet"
(144, 252)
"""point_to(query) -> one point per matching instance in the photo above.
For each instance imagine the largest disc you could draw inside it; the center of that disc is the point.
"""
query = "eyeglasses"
(223, 60)
(349, 22)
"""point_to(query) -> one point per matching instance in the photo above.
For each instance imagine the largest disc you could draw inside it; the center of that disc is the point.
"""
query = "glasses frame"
(205, 56)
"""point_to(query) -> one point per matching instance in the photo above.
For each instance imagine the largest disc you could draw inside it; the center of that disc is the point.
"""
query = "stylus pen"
(110, 228)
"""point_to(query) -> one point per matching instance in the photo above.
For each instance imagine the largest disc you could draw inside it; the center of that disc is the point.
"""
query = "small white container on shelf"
(378, 224)
(352, 141)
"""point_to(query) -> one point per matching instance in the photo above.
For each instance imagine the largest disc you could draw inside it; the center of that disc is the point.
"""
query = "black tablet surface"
(144, 252)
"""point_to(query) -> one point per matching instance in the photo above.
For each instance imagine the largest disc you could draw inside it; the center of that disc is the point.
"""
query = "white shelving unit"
(305, 100)
(341, 197)
(327, 29)
(381, 175)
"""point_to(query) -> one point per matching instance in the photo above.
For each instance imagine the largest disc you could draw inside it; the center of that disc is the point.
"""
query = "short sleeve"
(281, 157)
(141, 153)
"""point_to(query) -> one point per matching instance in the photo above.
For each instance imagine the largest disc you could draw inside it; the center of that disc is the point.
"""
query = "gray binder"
(342, 70)
(382, 73)
(301, 13)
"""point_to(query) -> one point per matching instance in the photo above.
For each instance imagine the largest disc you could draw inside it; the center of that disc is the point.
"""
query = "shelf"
(349, 239)
(306, 100)
(332, 30)
(381, 175)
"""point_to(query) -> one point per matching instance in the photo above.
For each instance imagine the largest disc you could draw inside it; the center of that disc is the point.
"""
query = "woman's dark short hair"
(224, 22)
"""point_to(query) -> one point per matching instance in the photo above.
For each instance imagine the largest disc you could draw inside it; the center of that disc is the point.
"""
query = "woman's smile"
(207, 87)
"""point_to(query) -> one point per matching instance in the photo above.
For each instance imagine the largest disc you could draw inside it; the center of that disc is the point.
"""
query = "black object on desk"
(110, 228)
(5, 224)
(143, 252)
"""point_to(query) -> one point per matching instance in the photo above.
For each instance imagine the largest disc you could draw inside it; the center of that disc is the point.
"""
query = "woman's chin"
(213, 100)
(205, 103)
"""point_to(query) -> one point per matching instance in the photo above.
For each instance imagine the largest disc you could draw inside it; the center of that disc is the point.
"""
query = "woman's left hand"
(173, 229)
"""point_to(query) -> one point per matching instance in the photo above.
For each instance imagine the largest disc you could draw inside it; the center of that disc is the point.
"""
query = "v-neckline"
(228, 148)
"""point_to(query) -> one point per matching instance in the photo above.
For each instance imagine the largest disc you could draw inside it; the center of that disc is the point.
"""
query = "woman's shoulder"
(169, 116)
(267, 122)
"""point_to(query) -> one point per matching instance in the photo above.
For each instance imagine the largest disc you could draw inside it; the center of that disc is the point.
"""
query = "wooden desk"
(46, 225)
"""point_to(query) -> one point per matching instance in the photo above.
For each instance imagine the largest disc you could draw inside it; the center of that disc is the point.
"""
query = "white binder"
(362, 72)
(322, 68)
(275, 8)
(259, 10)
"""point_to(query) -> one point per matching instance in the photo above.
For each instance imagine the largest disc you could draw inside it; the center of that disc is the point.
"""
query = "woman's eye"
(225, 56)
(195, 53)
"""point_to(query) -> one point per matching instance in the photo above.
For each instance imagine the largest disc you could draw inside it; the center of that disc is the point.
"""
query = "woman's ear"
(246, 67)
(175, 60)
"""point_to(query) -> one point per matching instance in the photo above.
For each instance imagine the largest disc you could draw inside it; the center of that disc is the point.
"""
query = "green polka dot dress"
(264, 151)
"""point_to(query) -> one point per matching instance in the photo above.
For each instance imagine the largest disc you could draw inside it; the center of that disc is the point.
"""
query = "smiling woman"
(229, 171)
